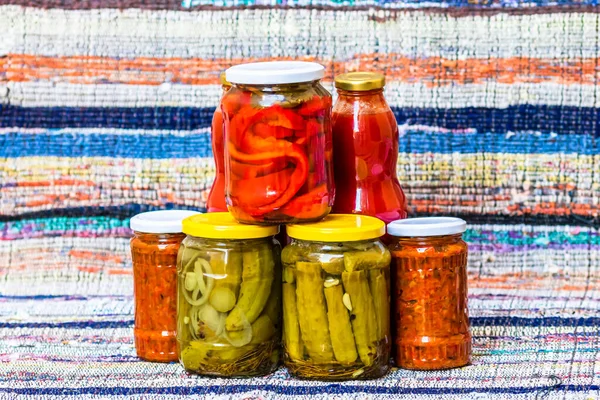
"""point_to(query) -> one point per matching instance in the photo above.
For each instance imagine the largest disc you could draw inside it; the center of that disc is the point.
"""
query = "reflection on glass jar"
(336, 299)
(430, 293)
(278, 153)
(229, 297)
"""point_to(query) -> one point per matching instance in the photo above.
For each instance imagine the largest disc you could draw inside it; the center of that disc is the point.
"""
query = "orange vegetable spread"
(430, 302)
(155, 289)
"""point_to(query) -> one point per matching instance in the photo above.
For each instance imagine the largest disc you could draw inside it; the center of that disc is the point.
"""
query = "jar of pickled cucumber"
(229, 297)
(336, 299)
(429, 270)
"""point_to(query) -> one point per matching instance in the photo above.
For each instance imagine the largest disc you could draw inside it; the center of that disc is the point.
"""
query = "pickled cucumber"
(364, 260)
(227, 268)
(381, 300)
(364, 323)
(257, 277)
(342, 338)
(312, 314)
(332, 263)
(291, 327)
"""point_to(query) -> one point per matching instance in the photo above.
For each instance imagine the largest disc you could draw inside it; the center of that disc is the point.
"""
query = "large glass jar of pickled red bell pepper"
(336, 301)
(216, 196)
(156, 239)
(429, 293)
(278, 153)
(365, 142)
(229, 297)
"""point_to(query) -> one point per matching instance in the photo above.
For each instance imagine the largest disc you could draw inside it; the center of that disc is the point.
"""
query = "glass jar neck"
(276, 88)
(430, 240)
(360, 93)
(159, 237)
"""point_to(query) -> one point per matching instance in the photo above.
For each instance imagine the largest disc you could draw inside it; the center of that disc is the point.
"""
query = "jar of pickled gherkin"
(336, 300)
(229, 297)
(278, 145)
(429, 293)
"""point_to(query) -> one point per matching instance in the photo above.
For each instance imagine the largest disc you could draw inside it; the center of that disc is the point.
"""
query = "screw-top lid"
(360, 81)
(165, 221)
(223, 79)
(222, 225)
(339, 228)
(429, 226)
(275, 72)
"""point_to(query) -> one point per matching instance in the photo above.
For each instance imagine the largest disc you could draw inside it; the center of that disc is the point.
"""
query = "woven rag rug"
(105, 108)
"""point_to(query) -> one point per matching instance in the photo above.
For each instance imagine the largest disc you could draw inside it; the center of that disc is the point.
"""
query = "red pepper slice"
(265, 130)
(314, 106)
(278, 150)
(231, 103)
(279, 116)
(257, 192)
(245, 171)
(311, 205)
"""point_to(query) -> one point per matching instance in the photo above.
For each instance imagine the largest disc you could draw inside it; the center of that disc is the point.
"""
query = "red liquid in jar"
(365, 156)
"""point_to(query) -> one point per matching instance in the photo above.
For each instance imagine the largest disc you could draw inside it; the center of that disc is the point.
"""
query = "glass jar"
(336, 302)
(429, 286)
(278, 154)
(154, 246)
(216, 196)
(365, 142)
(229, 297)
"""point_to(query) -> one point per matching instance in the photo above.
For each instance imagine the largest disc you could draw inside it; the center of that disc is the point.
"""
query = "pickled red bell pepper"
(273, 156)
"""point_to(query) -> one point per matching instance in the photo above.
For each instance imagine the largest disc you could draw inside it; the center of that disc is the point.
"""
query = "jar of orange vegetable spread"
(154, 247)
(278, 154)
(336, 302)
(229, 297)
(429, 293)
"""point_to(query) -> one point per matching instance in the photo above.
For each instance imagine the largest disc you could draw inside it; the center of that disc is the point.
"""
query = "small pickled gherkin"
(312, 312)
(229, 303)
(336, 304)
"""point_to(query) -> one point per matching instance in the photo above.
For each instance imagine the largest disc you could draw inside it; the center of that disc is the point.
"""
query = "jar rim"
(338, 228)
(162, 221)
(275, 73)
(222, 225)
(426, 226)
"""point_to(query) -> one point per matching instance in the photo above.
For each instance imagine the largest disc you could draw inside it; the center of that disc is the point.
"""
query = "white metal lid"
(275, 72)
(165, 221)
(428, 226)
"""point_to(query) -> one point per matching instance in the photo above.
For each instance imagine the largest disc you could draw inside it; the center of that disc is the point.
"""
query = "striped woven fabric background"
(105, 108)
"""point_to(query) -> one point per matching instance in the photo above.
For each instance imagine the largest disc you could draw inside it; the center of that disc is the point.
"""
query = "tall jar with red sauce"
(429, 293)
(216, 196)
(154, 246)
(278, 148)
(365, 143)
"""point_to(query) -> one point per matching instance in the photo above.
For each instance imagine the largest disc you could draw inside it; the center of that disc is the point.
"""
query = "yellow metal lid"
(360, 81)
(222, 225)
(339, 228)
(223, 80)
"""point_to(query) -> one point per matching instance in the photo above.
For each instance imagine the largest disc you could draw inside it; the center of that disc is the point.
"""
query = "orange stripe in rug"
(432, 71)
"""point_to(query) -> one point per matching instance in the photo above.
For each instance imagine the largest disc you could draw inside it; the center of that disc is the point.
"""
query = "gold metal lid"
(223, 79)
(360, 81)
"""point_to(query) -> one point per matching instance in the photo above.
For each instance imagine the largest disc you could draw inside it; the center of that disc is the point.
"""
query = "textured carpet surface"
(105, 108)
